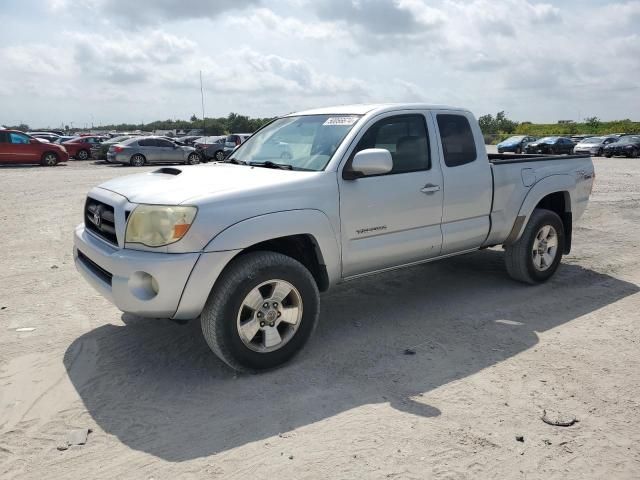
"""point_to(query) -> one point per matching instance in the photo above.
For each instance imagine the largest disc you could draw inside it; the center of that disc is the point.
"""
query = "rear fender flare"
(548, 185)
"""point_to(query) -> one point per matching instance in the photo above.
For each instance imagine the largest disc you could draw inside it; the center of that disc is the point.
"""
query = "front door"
(393, 219)
(167, 151)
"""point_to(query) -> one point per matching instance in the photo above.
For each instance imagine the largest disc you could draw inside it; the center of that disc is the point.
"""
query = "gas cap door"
(528, 176)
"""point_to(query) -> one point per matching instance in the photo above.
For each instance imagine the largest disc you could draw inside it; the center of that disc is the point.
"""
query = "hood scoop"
(168, 171)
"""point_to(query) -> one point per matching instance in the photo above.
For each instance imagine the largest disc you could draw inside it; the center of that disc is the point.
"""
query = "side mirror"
(372, 161)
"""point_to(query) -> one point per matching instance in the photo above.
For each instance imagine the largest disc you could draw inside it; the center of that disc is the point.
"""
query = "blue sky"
(107, 61)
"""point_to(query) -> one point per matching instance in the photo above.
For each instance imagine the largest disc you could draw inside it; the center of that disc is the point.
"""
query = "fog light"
(143, 286)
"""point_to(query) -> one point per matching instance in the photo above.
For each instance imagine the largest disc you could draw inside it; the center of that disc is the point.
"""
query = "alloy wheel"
(269, 316)
(545, 248)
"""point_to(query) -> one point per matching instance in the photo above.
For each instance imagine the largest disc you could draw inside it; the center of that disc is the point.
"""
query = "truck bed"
(503, 158)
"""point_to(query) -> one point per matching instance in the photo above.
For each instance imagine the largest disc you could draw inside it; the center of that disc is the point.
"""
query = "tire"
(193, 159)
(83, 155)
(49, 159)
(219, 156)
(137, 160)
(226, 312)
(600, 151)
(607, 155)
(518, 150)
(522, 259)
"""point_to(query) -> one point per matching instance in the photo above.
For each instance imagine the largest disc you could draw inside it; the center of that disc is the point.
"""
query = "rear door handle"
(429, 188)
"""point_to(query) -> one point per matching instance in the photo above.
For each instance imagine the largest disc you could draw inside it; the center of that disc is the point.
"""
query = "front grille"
(100, 219)
(100, 272)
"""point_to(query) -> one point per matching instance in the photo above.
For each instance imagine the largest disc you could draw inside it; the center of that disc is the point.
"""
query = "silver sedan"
(149, 150)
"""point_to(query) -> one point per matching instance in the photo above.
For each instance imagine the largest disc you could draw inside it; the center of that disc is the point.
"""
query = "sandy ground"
(491, 355)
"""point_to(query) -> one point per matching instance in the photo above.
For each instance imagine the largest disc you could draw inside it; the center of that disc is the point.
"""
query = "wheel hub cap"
(269, 316)
(545, 248)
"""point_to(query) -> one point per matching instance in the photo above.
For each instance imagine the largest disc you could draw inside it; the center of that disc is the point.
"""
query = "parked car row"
(606, 145)
(49, 148)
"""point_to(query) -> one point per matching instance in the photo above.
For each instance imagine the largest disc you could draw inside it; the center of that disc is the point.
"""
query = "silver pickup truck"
(248, 244)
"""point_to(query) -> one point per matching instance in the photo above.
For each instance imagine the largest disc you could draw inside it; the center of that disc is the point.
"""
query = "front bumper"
(144, 283)
(181, 281)
(585, 151)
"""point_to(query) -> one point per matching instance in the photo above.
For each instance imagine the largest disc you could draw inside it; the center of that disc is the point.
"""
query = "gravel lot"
(490, 356)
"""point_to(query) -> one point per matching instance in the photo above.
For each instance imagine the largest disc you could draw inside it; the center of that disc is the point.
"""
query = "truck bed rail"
(504, 158)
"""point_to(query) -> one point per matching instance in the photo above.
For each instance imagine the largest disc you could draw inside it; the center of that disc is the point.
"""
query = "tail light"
(118, 149)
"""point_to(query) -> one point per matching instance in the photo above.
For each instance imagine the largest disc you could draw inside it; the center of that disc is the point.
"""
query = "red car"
(19, 148)
(80, 147)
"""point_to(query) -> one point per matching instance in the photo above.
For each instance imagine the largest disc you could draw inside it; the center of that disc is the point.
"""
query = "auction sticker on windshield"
(340, 120)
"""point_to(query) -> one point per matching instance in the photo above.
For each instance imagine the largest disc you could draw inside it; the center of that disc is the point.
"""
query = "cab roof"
(363, 109)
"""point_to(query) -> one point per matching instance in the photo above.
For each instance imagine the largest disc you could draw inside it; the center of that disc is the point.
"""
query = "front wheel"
(219, 155)
(535, 257)
(193, 159)
(137, 160)
(49, 159)
(83, 155)
(261, 311)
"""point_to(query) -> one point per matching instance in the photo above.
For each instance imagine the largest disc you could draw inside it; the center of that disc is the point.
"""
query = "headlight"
(159, 225)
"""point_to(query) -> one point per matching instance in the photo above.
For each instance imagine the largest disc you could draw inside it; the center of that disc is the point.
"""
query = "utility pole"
(204, 124)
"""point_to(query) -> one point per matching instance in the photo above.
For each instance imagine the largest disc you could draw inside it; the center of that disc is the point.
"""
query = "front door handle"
(430, 188)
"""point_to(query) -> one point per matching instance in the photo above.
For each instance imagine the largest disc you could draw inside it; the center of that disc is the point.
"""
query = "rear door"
(392, 219)
(468, 179)
(147, 147)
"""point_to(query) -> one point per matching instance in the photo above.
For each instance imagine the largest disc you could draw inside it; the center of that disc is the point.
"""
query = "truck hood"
(175, 185)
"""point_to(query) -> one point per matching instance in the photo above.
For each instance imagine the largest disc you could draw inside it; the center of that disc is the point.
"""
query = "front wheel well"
(560, 203)
(303, 248)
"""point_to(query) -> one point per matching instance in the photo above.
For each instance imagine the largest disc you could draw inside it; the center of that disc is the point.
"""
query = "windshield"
(304, 142)
(630, 139)
(548, 140)
(592, 140)
(514, 139)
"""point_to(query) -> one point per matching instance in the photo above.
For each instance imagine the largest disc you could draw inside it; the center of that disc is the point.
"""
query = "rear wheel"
(219, 155)
(193, 159)
(261, 311)
(137, 160)
(83, 155)
(535, 257)
(49, 159)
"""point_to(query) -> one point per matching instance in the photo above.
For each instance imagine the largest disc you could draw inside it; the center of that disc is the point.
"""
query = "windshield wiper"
(270, 164)
(235, 161)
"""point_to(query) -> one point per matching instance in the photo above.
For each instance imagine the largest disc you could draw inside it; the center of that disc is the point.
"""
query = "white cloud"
(537, 59)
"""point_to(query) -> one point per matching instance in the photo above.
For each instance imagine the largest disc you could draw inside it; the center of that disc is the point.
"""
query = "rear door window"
(146, 142)
(458, 143)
